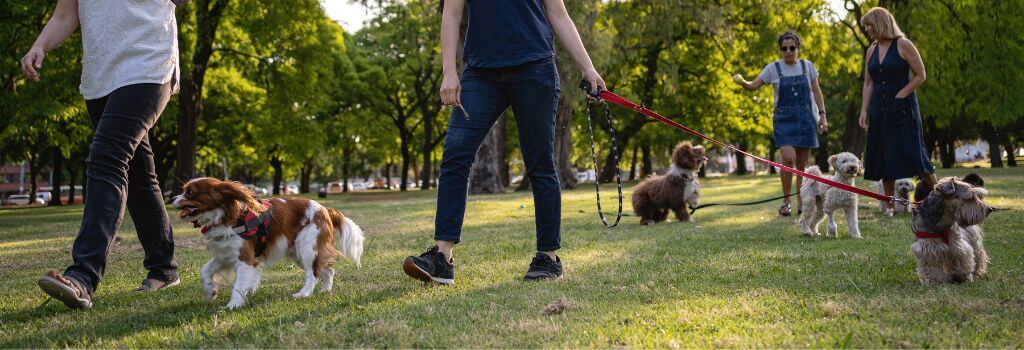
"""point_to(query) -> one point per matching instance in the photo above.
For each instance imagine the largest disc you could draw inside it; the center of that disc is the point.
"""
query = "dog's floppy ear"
(946, 187)
(234, 190)
(832, 160)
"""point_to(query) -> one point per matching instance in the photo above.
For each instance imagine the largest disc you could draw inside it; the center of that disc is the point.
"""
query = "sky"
(351, 16)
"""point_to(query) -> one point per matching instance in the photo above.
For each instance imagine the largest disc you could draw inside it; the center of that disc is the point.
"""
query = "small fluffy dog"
(655, 196)
(903, 189)
(947, 225)
(245, 235)
(921, 191)
(820, 199)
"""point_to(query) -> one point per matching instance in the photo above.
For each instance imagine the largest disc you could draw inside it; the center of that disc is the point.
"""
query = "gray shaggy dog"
(657, 195)
(947, 225)
(820, 199)
(902, 190)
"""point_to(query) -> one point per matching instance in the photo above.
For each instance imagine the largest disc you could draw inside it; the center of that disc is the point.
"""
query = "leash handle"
(587, 88)
(615, 155)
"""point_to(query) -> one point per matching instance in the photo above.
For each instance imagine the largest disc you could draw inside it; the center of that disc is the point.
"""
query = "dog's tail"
(348, 236)
(813, 170)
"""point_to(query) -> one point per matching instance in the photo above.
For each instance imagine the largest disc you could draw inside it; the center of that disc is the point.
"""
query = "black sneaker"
(542, 267)
(430, 267)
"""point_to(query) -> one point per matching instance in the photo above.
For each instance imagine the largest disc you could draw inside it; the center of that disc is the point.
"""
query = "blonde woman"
(889, 110)
(799, 109)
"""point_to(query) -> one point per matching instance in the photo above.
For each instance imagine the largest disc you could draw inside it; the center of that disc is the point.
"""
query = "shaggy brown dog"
(655, 196)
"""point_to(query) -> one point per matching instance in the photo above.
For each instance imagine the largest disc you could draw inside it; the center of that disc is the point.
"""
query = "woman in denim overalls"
(799, 109)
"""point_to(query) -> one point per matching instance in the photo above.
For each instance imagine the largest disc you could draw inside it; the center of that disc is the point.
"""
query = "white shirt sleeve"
(811, 71)
(769, 75)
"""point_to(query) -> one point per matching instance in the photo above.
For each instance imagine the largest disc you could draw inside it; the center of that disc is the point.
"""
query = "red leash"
(616, 99)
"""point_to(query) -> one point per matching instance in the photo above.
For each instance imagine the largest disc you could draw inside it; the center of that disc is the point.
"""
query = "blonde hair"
(885, 25)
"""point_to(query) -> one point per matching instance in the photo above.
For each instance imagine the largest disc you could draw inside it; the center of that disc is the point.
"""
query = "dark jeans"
(532, 91)
(120, 172)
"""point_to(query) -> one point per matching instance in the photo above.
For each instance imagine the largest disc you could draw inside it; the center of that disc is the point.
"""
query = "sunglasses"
(789, 48)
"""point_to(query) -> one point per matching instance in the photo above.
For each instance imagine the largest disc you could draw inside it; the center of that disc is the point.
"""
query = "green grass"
(738, 277)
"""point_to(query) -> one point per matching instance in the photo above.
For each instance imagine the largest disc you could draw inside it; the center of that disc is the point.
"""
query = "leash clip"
(587, 88)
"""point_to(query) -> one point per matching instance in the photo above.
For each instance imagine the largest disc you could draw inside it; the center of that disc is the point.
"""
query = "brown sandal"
(66, 289)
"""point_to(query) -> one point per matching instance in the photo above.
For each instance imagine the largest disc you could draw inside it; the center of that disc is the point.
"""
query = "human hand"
(901, 95)
(451, 90)
(32, 62)
(823, 125)
(596, 83)
(738, 79)
(863, 121)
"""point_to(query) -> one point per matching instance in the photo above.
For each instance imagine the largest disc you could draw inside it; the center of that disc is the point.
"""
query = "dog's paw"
(301, 294)
(210, 295)
(235, 304)
(855, 235)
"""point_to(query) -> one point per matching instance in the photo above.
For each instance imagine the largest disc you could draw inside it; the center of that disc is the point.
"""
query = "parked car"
(260, 191)
(358, 186)
(291, 190)
(23, 199)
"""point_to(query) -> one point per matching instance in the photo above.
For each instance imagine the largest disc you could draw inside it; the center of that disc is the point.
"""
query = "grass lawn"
(737, 277)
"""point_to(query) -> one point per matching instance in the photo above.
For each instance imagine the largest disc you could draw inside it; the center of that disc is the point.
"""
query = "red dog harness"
(252, 226)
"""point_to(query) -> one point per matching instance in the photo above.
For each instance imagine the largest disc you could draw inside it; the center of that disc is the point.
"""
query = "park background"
(278, 92)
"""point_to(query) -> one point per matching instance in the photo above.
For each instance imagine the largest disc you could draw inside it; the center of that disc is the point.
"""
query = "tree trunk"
(405, 165)
(632, 163)
(647, 167)
(1011, 157)
(34, 164)
(947, 150)
(58, 177)
(854, 136)
(346, 159)
(208, 17)
(501, 127)
(771, 155)
(994, 145)
(71, 183)
(387, 174)
(563, 128)
(428, 146)
(484, 174)
(741, 160)
(276, 163)
(306, 173)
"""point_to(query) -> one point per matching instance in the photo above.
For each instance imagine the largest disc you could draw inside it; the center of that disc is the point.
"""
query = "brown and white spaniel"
(244, 235)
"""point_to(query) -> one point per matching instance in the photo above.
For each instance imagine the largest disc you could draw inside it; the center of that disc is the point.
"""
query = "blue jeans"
(532, 91)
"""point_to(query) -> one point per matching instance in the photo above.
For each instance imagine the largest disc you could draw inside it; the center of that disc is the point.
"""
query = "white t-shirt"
(770, 76)
(127, 42)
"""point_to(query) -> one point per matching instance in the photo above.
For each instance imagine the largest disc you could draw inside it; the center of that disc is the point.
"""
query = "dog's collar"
(927, 235)
(251, 226)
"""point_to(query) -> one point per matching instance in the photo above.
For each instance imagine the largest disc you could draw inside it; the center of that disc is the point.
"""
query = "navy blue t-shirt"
(506, 33)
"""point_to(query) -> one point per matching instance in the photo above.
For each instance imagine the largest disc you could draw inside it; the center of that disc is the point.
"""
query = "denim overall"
(794, 120)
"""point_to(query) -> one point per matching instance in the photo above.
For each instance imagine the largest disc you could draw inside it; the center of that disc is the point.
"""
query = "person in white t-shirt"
(129, 71)
(799, 109)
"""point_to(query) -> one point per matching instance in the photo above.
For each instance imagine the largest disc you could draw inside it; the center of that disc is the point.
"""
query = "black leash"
(615, 155)
(693, 209)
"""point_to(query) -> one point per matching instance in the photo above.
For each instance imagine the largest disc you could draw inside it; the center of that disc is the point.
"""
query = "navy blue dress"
(895, 147)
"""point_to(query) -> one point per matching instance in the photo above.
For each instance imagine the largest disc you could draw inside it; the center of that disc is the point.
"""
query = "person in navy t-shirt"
(509, 61)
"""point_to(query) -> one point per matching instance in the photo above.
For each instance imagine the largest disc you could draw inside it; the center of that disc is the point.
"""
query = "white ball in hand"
(738, 79)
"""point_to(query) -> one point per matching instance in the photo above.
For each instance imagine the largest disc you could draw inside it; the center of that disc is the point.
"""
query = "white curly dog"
(820, 199)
